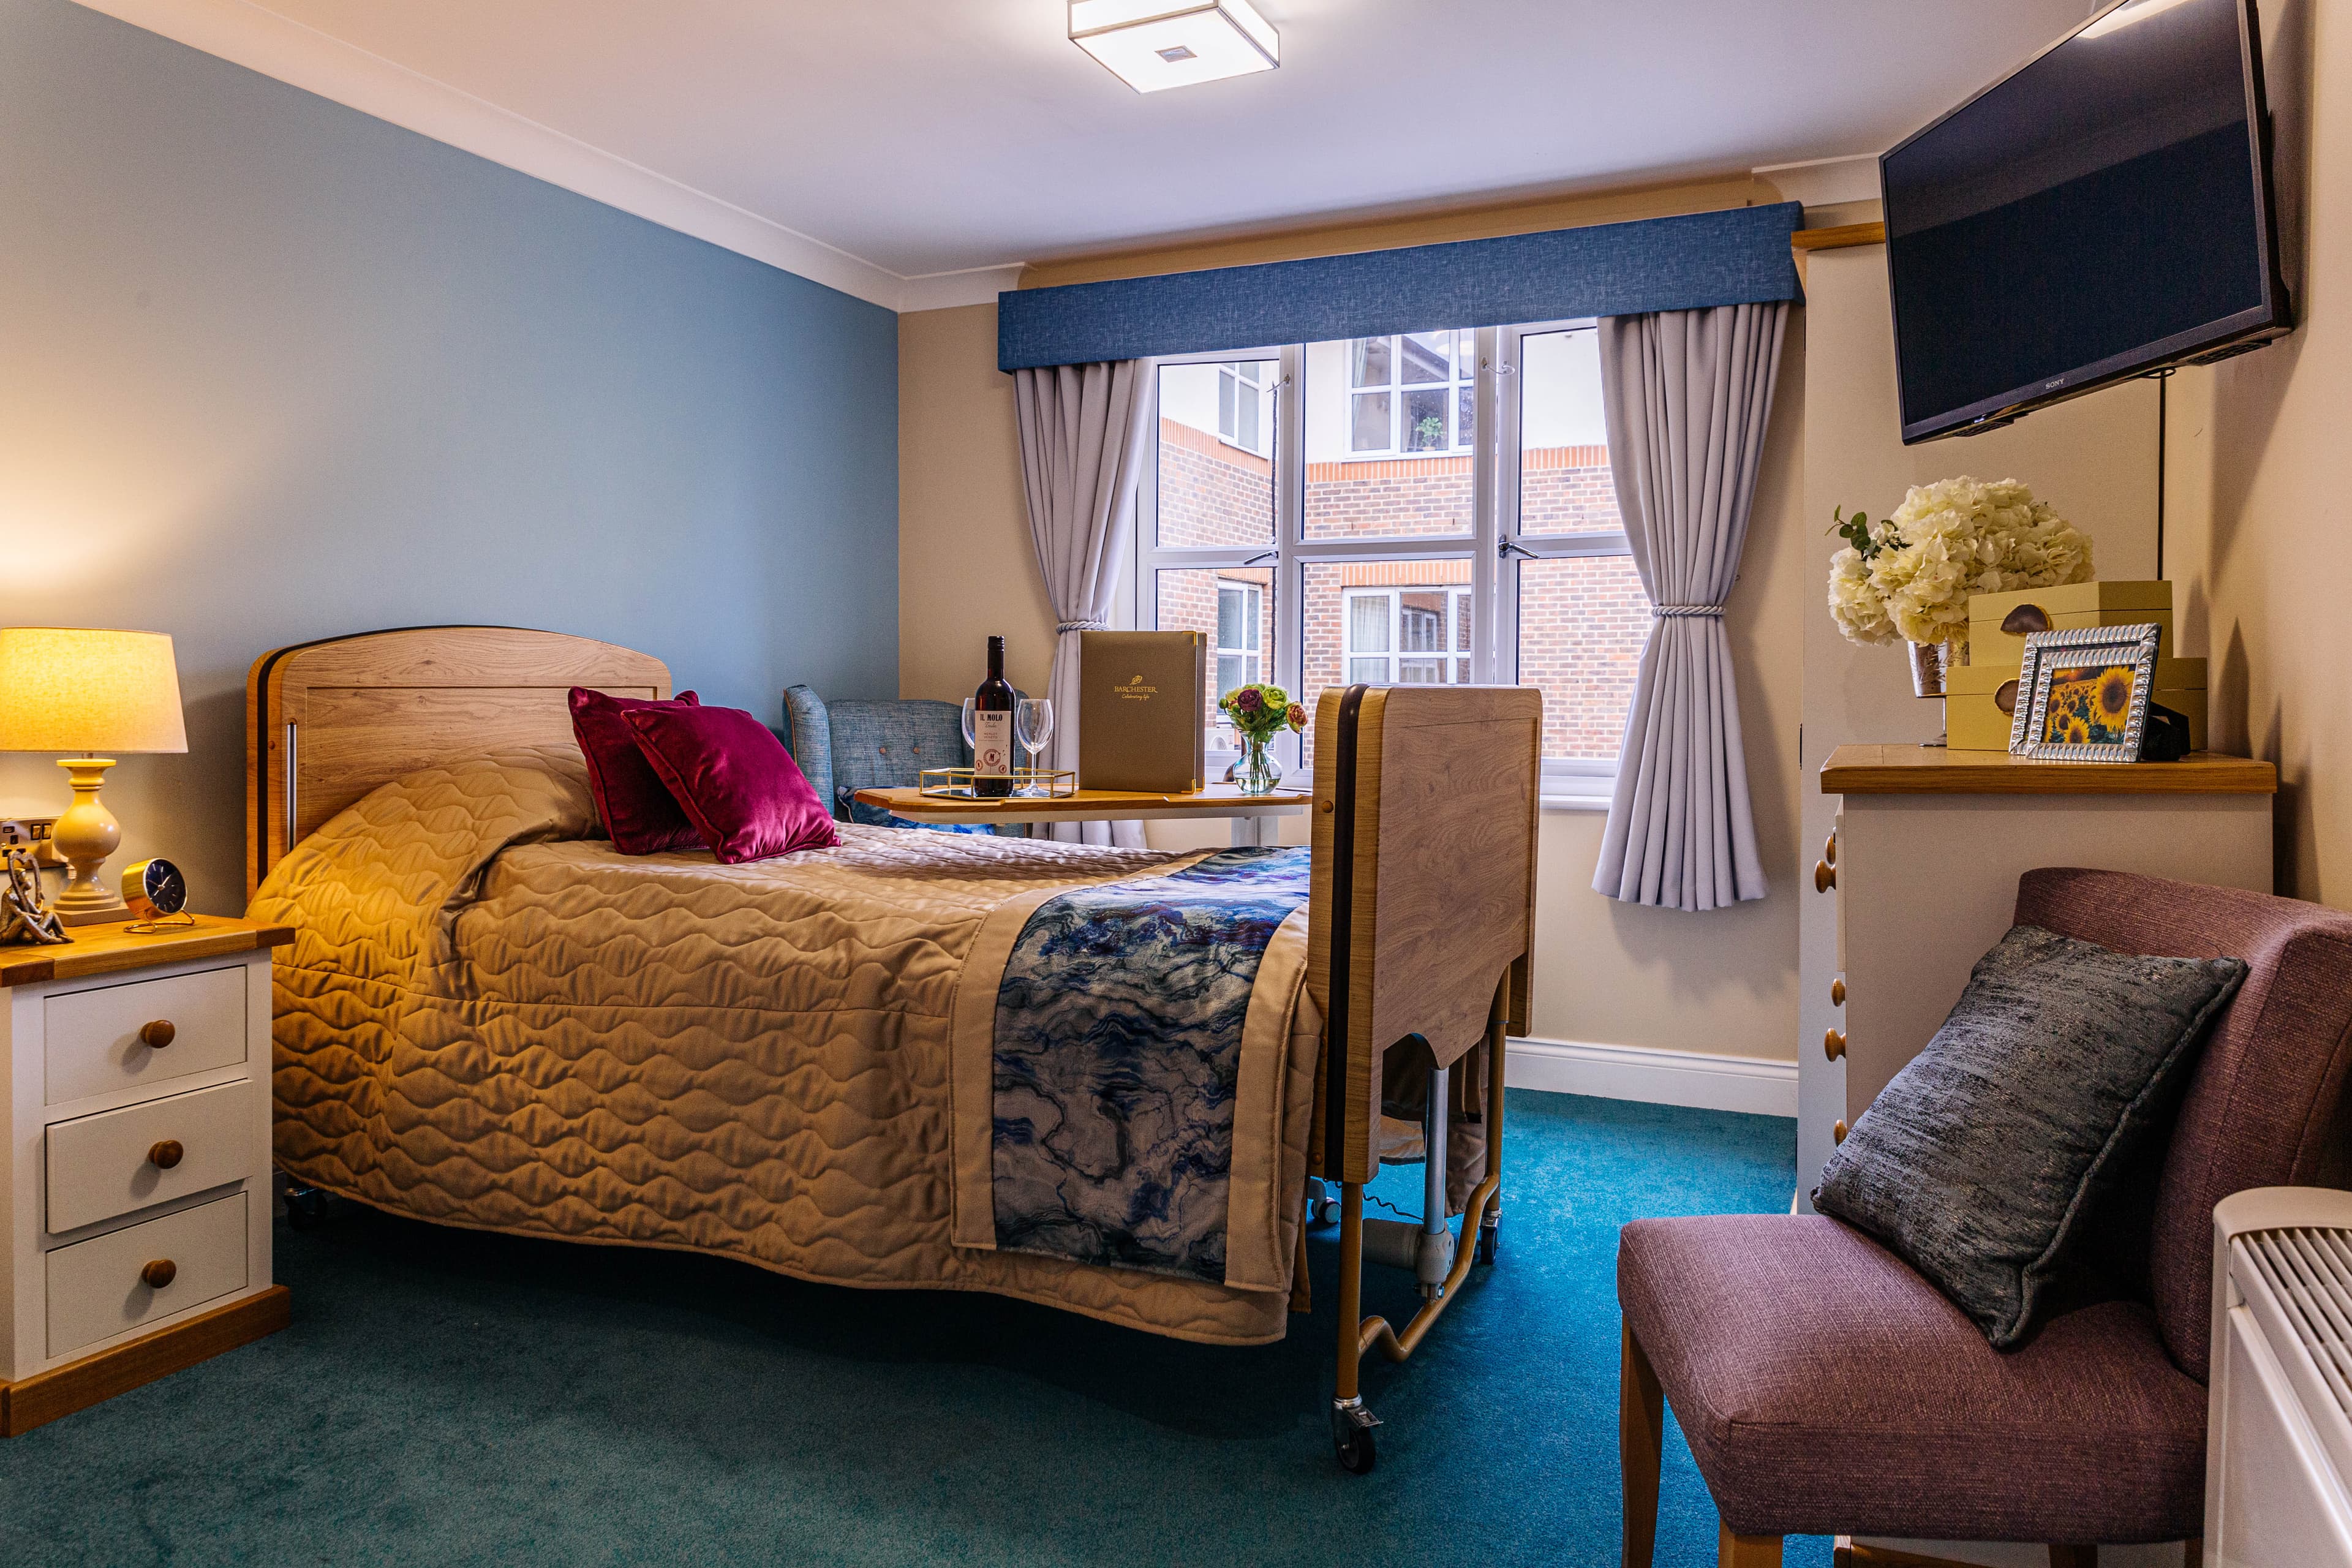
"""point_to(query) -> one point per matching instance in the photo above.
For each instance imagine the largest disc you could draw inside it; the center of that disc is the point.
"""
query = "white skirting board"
(1759, 1085)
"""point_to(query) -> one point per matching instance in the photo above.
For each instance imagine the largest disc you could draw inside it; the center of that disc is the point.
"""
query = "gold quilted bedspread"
(489, 1018)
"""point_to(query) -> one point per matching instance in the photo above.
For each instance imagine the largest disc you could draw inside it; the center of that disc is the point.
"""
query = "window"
(1416, 635)
(1243, 390)
(1411, 392)
(1240, 642)
(1429, 508)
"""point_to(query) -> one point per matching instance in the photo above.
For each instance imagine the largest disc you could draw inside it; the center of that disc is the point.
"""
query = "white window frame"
(1460, 613)
(1569, 783)
(1229, 372)
(1253, 606)
(1396, 387)
(1493, 544)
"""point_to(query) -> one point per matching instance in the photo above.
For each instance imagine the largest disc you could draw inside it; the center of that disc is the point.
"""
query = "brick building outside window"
(1345, 478)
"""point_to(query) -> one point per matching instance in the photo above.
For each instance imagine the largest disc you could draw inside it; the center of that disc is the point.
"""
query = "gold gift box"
(2074, 605)
(1974, 721)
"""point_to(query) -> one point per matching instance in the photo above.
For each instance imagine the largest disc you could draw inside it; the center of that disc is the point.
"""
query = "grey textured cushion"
(1981, 1163)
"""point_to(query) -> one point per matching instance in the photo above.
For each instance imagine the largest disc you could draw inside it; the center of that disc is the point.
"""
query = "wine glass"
(1033, 726)
(967, 731)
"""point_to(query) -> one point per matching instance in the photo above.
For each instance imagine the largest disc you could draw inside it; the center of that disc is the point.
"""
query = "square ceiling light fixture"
(1155, 44)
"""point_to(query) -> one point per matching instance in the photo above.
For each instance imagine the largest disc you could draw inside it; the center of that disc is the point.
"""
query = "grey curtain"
(1687, 394)
(1082, 445)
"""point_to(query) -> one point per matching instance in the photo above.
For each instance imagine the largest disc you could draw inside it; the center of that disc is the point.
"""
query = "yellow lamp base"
(116, 915)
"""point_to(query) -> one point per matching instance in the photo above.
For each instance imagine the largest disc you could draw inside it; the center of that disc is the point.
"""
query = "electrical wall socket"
(34, 832)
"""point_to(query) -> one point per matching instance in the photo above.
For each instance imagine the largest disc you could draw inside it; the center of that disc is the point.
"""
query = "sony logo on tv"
(2051, 385)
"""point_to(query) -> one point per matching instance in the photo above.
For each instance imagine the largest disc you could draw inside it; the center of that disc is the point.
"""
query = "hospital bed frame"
(1421, 940)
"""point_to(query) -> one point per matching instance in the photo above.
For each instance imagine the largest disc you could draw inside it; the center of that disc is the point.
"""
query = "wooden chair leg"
(2192, 1553)
(2073, 1556)
(1641, 1436)
(1747, 1551)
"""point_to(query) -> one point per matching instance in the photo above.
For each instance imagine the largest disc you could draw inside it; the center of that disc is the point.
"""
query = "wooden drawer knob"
(1837, 1132)
(157, 1034)
(1825, 876)
(163, 1270)
(1829, 849)
(1834, 1044)
(1837, 993)
(165, 1155)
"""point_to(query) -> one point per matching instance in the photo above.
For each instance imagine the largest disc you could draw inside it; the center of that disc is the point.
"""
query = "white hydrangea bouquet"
(1909, 576)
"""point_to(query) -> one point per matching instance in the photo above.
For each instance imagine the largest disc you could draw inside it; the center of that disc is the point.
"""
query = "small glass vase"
(1931, 665)
(1928, 662)
(1254, 772)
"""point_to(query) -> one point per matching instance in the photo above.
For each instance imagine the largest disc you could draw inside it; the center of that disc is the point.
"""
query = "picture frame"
(2083, 694)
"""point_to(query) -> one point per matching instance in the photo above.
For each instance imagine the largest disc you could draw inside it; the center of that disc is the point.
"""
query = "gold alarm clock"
(157, 893)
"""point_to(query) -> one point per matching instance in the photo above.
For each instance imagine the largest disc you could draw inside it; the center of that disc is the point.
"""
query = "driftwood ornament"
(23, 917)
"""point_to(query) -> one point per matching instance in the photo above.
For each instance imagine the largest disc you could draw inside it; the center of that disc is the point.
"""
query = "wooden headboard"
(327, 722)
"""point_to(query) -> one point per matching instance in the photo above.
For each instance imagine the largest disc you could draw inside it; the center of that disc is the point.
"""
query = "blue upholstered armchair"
(865, 743)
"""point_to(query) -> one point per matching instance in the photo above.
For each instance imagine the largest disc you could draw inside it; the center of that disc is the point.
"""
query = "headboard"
(327, 722)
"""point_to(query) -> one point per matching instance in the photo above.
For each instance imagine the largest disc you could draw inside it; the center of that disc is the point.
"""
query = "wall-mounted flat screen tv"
(2102, 212)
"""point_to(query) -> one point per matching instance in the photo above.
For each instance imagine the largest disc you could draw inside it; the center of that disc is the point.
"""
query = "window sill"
(1574, 802)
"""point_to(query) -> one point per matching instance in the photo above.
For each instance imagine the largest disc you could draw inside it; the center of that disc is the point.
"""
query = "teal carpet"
(444, 1397)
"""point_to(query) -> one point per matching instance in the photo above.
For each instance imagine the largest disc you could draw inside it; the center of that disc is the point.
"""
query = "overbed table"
(1256, 817)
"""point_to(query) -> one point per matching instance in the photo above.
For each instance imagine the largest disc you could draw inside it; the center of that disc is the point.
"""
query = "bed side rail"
(1423, 893)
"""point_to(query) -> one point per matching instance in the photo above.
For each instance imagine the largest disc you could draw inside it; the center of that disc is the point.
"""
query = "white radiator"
(2279, 1434)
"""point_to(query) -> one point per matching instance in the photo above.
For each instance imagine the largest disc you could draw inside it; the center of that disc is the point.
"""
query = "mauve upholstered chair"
(1826, 1389)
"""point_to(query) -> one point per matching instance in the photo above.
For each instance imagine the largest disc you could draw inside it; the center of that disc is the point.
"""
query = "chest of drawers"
(134, 1080)
(1923, 865)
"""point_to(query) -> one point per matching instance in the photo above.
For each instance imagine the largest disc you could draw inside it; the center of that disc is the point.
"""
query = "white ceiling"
(934, 136)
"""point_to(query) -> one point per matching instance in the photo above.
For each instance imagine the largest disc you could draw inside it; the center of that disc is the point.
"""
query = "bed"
(491, 1018)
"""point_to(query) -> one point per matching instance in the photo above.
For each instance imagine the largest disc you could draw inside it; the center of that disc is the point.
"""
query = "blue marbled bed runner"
(1118, 1045)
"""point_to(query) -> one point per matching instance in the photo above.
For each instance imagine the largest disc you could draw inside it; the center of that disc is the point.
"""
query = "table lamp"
(69, 689)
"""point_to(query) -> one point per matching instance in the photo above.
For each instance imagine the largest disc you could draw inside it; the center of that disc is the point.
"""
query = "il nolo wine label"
(991, 744)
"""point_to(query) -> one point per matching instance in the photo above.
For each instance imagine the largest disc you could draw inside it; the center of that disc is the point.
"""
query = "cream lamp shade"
(74, 688)
(68, 688)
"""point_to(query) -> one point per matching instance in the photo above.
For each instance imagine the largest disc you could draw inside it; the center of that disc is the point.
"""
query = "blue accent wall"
(272, 370)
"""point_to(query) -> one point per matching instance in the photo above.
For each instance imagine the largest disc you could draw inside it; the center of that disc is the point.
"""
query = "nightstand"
(135, 1186)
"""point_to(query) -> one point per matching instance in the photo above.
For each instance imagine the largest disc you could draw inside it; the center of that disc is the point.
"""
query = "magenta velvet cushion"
(637, 809)
(738, 785)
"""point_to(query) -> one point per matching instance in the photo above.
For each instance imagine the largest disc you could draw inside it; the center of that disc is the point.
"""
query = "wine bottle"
(991, 729)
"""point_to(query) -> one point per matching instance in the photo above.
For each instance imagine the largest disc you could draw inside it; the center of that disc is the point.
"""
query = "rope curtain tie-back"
(1713, 611)
(1082, 625)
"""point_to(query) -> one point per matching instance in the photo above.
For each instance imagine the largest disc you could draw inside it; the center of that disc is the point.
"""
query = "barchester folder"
(1143, 710)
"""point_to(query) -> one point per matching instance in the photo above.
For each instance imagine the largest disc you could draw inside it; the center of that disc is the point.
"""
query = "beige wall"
(2257, 533)
(966, 568)
(2094, 459)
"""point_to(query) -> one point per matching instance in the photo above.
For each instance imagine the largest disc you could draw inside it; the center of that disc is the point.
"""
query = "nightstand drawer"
(93, 1042)
(102, 1286)
(101, 1166)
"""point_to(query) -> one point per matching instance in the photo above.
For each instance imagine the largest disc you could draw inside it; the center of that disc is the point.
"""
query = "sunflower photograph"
(2088, 705)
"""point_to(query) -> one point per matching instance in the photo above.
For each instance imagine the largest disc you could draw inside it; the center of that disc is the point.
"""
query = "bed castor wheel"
(1322, 1208)
(305, 1206)
(1490, 1242)
(1351, 1435)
